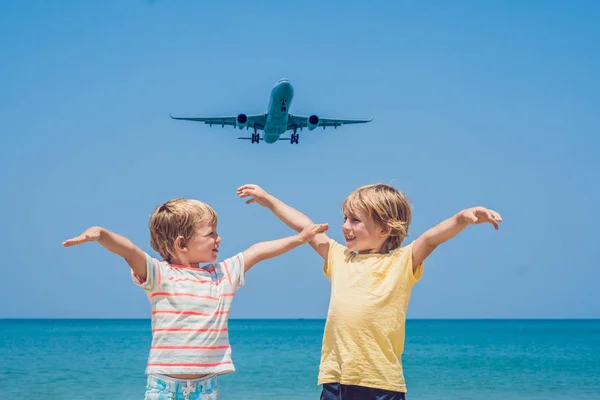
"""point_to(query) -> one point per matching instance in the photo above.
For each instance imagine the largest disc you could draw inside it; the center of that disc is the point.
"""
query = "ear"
(180, 244)
(385, 231)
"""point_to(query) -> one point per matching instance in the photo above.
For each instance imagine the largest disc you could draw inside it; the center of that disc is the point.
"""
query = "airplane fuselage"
(276, 120)
(278, 111)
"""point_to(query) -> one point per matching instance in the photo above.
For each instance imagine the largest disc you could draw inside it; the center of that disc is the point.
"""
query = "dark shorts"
(337, 391)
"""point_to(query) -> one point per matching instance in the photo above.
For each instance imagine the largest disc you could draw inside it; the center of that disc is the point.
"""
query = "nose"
(346, 226)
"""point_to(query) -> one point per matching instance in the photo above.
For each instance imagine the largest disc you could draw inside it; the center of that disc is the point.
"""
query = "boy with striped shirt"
(190, 303)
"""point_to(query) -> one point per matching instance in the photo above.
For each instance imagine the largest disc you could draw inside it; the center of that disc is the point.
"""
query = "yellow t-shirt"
(364, 333)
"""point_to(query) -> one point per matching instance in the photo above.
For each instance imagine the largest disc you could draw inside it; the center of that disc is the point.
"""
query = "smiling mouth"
(350, 238)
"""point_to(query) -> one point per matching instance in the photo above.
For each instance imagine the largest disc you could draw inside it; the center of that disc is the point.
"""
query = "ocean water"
(278, 359)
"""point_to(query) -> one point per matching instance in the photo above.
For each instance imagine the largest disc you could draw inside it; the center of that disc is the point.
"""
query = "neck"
(183, 262)
(378, 250)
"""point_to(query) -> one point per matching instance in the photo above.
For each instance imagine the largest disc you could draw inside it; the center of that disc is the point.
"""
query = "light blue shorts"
(160, 387)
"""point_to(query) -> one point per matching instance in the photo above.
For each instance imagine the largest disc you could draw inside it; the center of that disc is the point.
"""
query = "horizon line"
(323, 319)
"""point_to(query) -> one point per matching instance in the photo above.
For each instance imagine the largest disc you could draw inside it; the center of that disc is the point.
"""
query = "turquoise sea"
(278, 359)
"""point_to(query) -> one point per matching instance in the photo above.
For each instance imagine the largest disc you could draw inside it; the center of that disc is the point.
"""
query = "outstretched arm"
(115, 243)
(449, 228)
(288, 215)
(265, 250)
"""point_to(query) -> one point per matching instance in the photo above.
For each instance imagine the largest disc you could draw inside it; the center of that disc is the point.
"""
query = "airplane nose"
(285, 87)
(284, 82)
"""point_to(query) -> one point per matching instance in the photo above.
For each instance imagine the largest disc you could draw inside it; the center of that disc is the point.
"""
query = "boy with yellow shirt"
(371, 282)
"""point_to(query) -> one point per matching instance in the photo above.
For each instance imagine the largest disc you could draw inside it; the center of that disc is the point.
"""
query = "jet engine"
(241, 121)
(313, 122)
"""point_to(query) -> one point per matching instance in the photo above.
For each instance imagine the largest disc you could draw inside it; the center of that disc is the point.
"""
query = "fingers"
(73, 241)
(497, 216)
(253, 191)
(482, 215)
(319, 228)
(242, 190)
(313, 230)
(84, 238)
(494, 223)
(246, 187)
(322, 228)
(492, 217)
(245, 193)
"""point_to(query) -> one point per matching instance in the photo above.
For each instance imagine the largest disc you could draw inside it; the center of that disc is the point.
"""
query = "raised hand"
(257, 194)
(311, 231)
(89, 235)
(481, 215)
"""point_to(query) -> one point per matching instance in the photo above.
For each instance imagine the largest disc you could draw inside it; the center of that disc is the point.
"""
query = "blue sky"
(492, 104)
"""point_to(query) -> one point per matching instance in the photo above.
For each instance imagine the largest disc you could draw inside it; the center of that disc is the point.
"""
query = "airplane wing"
(254, 121)
(298, 121)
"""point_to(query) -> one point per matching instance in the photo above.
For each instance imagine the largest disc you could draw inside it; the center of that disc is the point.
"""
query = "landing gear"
(255, 138)
(294, 138)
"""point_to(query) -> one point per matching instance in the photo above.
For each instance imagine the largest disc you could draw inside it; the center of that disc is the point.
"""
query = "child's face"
(362, 234)
(204, 245)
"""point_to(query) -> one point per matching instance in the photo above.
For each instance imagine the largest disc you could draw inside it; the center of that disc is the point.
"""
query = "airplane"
(277, 120)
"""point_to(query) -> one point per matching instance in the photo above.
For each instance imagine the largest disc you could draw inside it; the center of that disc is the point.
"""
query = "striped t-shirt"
(190, 310)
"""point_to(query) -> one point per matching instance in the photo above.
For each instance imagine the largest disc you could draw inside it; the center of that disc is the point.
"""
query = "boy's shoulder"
(403, 249)
(232, 268)
(233, 264)
(238, 257)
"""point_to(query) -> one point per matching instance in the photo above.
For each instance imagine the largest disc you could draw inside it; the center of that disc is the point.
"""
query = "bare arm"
(288, 215)
(114, 243)
(446, 230)
(265, 250)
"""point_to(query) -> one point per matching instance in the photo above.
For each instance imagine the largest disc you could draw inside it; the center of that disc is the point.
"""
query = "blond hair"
(388, 207)
(177, 217)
